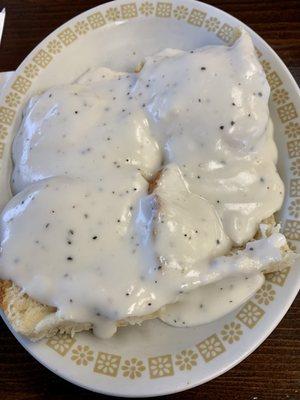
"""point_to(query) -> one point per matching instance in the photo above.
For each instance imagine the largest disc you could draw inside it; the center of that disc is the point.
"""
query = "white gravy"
(83, 234)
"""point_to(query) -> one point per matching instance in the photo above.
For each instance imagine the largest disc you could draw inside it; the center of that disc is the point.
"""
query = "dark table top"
(272, 372)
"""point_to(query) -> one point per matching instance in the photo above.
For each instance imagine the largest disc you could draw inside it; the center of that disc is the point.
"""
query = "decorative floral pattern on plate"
(280, 96)
(266, 294)
(31, 71)
(82, 355)
(180, 12)
(6, 115)
(107, 364)
(274, 80)
(210, 348)
(3, 132)
(287, 112)
(295, 168)
(81, 27)
(294, 148)
(228, 34)
(96, 20)
(42, 58)
(146, 8)
(61, 343)
(129, 10)
(294, 208)
(133, 368)
(231, 332)
(250, 314)
(292, 130)
(212, 24)
(67, 36)
(266, 66)
(196, 17)
(160, 366)
(54, 46)
(292, 229)
(186, 360)
(279, 277)
(21, 84)
(295, 186)
(113, 14)
(13, 99)
(163, 9)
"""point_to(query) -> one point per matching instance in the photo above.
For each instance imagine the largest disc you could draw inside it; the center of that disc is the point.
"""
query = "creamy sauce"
(104, 249)
(85, 130)
(210, 302)
(209, 110)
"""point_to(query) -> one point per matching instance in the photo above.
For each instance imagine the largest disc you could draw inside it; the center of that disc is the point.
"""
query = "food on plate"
(143, 195)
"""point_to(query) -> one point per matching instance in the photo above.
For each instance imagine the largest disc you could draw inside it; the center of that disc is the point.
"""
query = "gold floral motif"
(278, 277)
(133, 368)
(196, 17)
(186, 360)
(287, 112)
(266, 294)
(129, 10)
(147, 8)
(266, 66)
(212, 24)
(67, 36)
(1, 149)
(107, 364)
(54, 46)
(42, 58)
(181, 12)
(163, 9)
(160, 366)
(295, 168)
(81, 27)
(274, 80)
(113, 14)
(13, 99)
(6, 115)
(82, 355)
(228, 34)
(250, 314)
(294, 148)
(210, 348)
(292, 130)
(280, 96)
(61, 344)
(231, 332)
(295, 185)
(96, 20)
(21, 84)
(3, 132)
(294, 208)
(292, 229)
(31, 71)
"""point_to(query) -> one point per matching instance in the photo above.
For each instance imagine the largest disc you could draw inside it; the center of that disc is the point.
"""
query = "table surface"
(272, 372)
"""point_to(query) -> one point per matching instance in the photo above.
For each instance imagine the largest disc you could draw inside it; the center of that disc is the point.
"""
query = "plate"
(156, 359)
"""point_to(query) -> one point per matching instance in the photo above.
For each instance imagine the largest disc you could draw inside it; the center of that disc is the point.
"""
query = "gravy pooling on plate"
(84, 235)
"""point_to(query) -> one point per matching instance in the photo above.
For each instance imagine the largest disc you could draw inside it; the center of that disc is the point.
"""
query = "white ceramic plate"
(156, 359)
